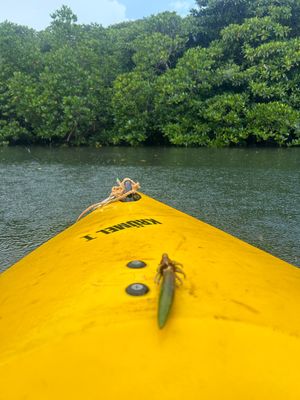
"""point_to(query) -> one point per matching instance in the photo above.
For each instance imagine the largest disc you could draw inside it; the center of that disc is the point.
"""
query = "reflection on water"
(253, 194)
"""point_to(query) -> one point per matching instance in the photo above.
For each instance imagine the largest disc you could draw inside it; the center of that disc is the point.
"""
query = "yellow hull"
(68, 329)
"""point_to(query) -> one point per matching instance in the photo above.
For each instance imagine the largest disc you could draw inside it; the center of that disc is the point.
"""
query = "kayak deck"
(70, 330)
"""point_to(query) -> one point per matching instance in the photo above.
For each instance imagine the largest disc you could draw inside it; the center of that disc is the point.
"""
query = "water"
(253, 194)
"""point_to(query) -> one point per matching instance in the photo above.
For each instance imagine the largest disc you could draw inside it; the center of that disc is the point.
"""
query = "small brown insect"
(170, 265)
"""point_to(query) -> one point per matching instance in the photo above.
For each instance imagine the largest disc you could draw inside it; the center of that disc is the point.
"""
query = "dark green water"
(253, 194)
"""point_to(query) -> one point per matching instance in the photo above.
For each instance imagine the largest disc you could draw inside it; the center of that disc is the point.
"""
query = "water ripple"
(253, 194)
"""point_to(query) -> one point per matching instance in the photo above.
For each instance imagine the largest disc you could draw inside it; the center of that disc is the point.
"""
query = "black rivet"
(136, 264)
(137, 289)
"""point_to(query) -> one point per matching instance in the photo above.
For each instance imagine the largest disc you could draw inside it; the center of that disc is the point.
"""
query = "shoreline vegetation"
(226, 75)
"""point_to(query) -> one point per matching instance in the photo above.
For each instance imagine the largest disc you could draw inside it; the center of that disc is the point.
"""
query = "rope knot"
(118, 193)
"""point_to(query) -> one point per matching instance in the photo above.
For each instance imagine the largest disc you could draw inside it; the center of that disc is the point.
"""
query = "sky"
(36, 13)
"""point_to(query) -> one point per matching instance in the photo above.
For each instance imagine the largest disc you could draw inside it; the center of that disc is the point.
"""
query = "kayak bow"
(78, 315)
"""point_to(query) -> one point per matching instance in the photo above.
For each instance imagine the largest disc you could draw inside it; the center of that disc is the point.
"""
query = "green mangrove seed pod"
(166, 296)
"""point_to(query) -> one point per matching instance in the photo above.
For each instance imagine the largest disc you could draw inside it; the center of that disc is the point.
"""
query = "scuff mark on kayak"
(192, 291)
(249, 308)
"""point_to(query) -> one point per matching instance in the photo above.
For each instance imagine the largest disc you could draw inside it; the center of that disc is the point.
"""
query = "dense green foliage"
(228, 74)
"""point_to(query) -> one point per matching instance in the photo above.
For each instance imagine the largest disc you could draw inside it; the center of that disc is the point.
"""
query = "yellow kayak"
(78, 316)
